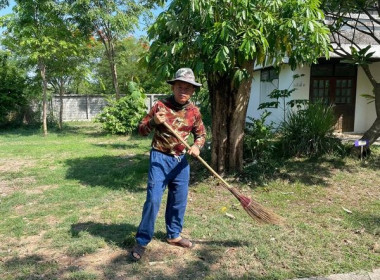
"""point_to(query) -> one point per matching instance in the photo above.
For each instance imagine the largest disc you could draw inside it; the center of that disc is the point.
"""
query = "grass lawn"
(70, 204)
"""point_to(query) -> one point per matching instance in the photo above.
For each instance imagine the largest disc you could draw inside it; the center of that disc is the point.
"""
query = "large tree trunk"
(42, 68)
(229, 105)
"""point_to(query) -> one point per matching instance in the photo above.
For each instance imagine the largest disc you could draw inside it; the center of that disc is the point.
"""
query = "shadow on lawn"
(34, 267)
(121, 235)
(373, 162)
(124, 147)
(160, 261)
(114, 172)
(310, 171)
(365, 221)
(203, 256)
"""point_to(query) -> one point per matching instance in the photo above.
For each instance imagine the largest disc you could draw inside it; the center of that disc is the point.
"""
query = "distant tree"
(354, 26)
(128, 54)
(68, 64)
(4, 3)
(224, 40)
(61, 72)
(37, 30)
(109, 21)
(13, 98)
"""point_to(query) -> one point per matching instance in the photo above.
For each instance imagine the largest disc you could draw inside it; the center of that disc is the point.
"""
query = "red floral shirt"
(182, 118)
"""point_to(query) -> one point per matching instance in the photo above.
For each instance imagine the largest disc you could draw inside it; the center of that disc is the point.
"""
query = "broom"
(253, 208)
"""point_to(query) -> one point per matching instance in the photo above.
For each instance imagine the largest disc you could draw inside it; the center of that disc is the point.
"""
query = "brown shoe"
(183, 242)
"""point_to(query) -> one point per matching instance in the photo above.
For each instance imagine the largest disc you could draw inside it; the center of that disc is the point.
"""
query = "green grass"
(70, 204)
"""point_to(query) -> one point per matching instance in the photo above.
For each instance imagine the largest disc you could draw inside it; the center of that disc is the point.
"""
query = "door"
(335, 83)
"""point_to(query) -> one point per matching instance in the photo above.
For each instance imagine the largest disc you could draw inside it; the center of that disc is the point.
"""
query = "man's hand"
(194, 151)
(160, 117)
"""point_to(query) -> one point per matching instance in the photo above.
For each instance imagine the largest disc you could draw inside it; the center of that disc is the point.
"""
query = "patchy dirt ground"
(162, 261)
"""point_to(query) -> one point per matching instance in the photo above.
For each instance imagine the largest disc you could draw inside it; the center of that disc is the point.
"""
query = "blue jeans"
(173, 172)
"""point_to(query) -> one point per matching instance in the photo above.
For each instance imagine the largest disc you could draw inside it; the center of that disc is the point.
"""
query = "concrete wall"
(87, 107)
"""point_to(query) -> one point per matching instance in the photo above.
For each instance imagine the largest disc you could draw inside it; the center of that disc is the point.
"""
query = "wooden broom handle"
(198, 157)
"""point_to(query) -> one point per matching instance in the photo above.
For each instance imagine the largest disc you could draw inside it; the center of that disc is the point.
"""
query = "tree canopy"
(223, 40)
(3, 3)
(37, 30)
(109, 21)
(12, 89)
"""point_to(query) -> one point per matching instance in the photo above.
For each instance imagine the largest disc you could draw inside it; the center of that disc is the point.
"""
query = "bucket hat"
(185, 75)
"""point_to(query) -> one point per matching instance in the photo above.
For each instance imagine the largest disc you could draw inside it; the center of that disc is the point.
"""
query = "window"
(269, 82)
(269, 74)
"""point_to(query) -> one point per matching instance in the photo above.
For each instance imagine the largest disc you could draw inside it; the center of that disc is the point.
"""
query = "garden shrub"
(258, 139)
(309, 132)
(12, 94)
(123, 116)
(260, 149)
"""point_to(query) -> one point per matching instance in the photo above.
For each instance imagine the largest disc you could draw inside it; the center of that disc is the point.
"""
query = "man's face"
(182, 91)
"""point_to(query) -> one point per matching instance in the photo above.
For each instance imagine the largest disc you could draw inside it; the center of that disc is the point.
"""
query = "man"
(168, 164)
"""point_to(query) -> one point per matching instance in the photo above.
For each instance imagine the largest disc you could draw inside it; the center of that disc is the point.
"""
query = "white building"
(341, 84)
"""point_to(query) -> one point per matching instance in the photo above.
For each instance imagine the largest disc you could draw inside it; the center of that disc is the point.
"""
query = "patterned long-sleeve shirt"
(184, 119)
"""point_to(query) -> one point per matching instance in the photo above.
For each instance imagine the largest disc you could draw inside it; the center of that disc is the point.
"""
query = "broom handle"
(198, 157)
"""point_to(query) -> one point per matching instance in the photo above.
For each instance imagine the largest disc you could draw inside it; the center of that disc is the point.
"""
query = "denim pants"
(173, 172)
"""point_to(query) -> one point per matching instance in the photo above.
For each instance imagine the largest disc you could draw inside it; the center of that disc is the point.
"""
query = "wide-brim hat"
(185, 75)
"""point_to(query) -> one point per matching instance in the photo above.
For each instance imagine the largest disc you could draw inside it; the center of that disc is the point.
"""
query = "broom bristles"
(256, 210)
(262, 214)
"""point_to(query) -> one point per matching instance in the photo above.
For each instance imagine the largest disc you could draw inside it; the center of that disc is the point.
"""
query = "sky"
(138, 33)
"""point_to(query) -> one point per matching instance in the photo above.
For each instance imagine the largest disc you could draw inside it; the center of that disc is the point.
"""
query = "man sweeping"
(168, 166)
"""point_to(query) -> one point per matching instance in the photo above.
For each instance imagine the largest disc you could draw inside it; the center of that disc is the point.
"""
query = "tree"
(3, 3)
(37, 30)
(109, 21)
(224, 40)
(62, 69)
(12, 89)
(354, 28)
(128, 54)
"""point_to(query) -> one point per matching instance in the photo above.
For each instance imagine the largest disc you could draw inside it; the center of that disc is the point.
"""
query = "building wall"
(365, 113)
(285, 82)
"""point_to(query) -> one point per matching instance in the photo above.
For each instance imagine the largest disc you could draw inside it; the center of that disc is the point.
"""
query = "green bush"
(123, 116)
(260, 149)
(309, 132)
(12, 91)
(258, 139)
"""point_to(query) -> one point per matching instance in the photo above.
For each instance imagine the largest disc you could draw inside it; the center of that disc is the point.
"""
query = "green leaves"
(39, 30)
(222, 59)
(3, 3)
(224, 35)
(12, 90)
(123, 116)
(361, 56)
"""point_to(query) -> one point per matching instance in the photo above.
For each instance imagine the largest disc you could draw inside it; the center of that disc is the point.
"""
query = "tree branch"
(371, 16)
(371, 78)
